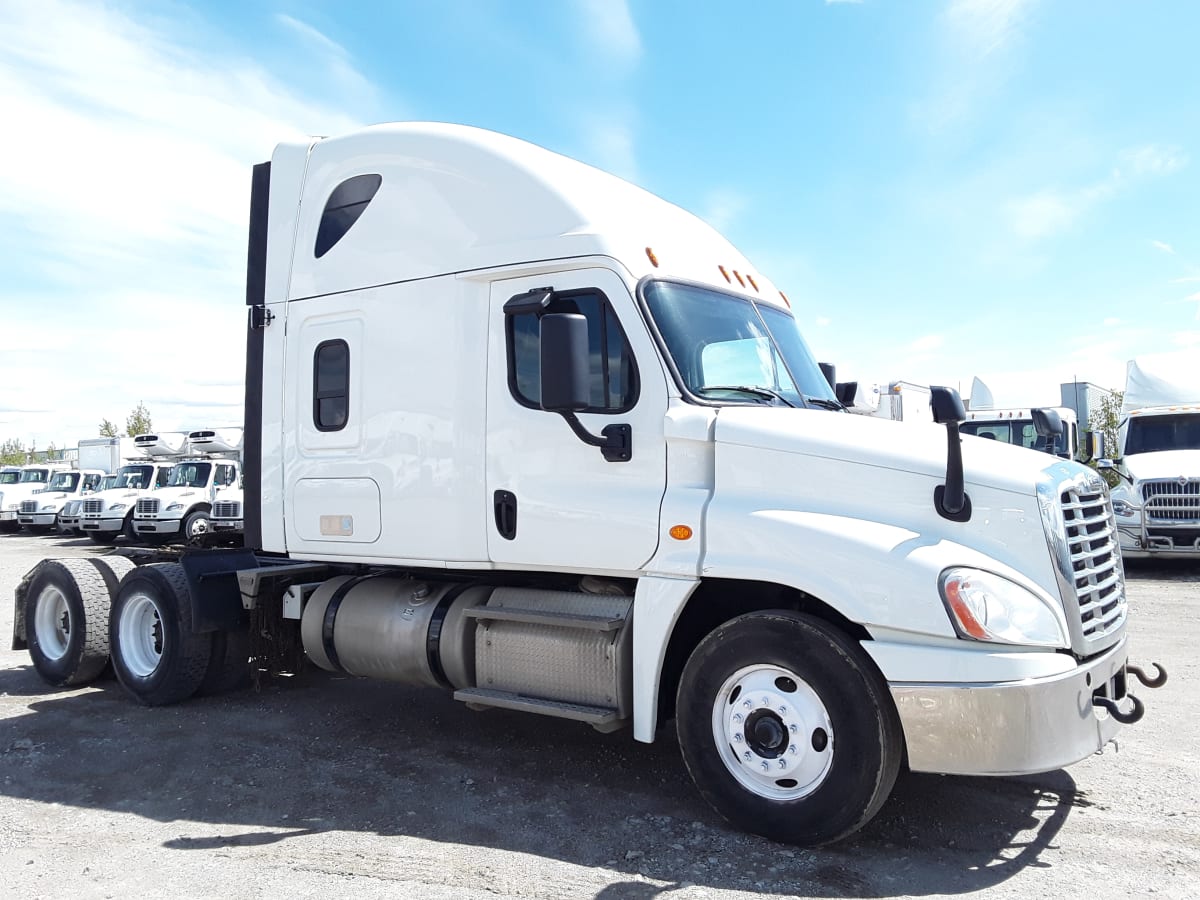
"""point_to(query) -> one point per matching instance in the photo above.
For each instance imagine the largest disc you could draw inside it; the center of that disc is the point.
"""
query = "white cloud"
(123, 199)
(609, 26)
(1186, 338)
(722, 207)
(985, 26)
(926, 344)
(1052, 210)
(1194, 298)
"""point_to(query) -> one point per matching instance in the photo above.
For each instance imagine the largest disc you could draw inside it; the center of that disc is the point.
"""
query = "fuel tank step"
(598, 717)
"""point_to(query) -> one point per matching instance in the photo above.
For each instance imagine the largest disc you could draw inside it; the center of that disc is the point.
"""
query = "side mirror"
(1105, 464)
(564, 359)
(947, 406)
(1094, 446)
(846, 391)
(1046, 422)
(830, 373)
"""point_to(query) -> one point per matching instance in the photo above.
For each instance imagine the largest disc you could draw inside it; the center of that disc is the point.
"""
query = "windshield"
(134, 476)
(190, 475)
(34, 476)
(1148, 434)
(729, 349)
(1020, 432)
(64, 481)
(108, 481)
(9, 477)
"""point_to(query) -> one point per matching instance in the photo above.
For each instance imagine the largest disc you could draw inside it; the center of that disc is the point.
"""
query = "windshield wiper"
(757, 391)
(825, 404)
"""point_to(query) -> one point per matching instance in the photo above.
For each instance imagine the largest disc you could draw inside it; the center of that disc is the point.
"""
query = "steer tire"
(66, 621)
(787, 727)
(156, 655)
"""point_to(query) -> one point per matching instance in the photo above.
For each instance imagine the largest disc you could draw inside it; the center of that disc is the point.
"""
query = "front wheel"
(196, 528)
(157, 656)
(787, 728)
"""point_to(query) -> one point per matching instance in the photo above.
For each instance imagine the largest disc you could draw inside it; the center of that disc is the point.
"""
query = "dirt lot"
(321, 786)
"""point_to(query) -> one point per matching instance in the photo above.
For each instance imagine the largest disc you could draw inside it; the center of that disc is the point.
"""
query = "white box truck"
(520, 430)
(30, 480)
(1157, 503)
(182, 508)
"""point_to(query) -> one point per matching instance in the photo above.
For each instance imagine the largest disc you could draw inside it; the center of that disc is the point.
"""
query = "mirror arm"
(615, 441)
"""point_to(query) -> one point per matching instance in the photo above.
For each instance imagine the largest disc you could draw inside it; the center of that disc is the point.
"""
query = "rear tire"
(8, 527)
(156, 656)
(787, 728)
(66, 621)
(229, 664)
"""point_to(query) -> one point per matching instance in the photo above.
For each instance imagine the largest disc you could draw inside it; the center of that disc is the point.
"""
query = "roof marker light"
(726, 274)
(786, 301)
(653, 259)
(750, 278)
(739, 278)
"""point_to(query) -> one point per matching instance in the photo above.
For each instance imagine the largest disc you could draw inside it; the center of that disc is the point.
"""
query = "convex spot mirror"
(563, 346)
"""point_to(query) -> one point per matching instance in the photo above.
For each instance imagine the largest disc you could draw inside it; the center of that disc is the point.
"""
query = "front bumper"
(1158, 542)
(8, 515)
(1011, 728)
(156, 526)
(226, 524)
(39, 518)
(105, 526)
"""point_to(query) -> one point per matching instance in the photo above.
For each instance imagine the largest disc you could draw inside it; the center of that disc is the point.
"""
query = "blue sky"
(1001, 188)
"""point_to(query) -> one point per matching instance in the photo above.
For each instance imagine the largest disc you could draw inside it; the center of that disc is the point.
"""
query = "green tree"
(138, 421)
(108, 429)
(12, 452)
(1105, 420)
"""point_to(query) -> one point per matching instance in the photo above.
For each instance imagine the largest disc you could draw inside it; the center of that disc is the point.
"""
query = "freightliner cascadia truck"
(522, 431)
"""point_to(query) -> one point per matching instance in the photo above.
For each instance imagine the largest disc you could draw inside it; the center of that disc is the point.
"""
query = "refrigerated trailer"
(524, 432)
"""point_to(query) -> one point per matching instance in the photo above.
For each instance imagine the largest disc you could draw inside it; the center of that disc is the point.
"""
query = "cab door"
(554, 500)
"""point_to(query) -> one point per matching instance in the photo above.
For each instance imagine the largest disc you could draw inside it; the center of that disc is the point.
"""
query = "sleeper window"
(331, 385)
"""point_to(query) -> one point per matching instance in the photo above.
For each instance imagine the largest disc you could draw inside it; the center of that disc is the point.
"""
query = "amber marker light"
(786, 301)
(680, 532)
(726, 274)
(650, 256)
(963, 612)
(750, 278)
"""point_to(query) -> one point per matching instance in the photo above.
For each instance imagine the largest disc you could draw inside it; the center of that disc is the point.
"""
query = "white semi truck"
(182, 508)
(40, 512)
(1157, 502)
(108, 514)
(32, 478)
(486, 451)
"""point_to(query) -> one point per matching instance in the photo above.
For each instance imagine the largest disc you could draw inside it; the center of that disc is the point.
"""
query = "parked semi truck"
(32, 478)
(486, 452)
(1157, 502)
(108, 514)
(40, 512)
(182, 508)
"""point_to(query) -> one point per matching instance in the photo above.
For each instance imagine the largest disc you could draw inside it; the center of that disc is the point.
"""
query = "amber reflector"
(650, 256)
(680, 532)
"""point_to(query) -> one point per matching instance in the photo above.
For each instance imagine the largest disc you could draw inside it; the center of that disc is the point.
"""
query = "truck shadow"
(304, 756)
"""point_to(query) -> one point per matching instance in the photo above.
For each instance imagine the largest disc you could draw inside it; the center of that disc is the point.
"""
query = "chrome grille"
(1172, 500)
(1095, 560)
(28, 506)
(147, 507)
(93, 507)
(227, 509)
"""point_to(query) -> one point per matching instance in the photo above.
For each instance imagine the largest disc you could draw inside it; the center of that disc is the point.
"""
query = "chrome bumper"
(1013, 728)
(156, 526)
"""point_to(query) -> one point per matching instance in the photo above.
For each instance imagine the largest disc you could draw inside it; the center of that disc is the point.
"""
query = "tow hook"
(1125, 718)
(1156, 682)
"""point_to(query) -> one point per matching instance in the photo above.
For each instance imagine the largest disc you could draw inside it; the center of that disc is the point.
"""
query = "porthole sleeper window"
(342, 210)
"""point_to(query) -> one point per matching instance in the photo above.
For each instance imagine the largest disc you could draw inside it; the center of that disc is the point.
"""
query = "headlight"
(117, 507)
(174, 507)
(1124, 507)
(986, 607)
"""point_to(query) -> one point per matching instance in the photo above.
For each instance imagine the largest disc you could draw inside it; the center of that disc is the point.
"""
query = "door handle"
(505, 507)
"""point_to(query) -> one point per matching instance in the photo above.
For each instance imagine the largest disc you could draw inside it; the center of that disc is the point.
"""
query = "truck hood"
(908, 447)
(15, 493)
(1164, 464)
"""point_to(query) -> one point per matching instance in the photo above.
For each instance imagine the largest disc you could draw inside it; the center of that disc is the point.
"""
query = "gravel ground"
(318, 786)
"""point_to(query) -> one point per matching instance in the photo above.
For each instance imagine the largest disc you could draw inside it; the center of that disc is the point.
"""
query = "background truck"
(182, 508)
(32, 478)
(1157, 503)
(520, 430)
(105, 453)
(40, 511)
(227, 513)
(108, 514)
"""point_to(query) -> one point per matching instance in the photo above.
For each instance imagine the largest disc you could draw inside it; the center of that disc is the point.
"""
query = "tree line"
(13, 451)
